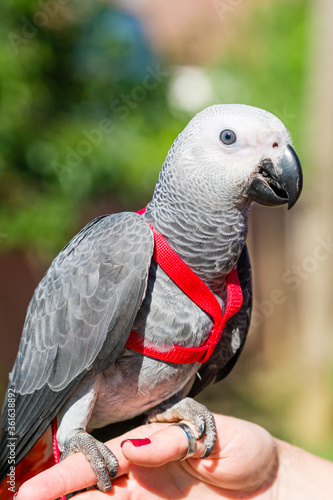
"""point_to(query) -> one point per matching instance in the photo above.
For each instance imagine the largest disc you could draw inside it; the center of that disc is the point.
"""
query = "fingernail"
(136, 442)
(15, 494)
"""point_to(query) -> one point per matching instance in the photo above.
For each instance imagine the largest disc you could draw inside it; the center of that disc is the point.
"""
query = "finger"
(166, 445)
(245, 456)
(119, 490)
(73, 474)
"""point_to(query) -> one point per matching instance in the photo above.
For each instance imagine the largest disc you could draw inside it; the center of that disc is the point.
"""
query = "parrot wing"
(233, 336)
(79, 318)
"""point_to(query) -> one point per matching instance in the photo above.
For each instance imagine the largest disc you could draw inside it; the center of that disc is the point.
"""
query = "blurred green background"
(93, 93)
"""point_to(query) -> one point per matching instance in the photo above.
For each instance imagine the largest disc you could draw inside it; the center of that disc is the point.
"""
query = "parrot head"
(237, 152)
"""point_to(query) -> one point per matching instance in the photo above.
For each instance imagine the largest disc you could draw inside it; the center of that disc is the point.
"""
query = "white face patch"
(204, 157)
(253, 132)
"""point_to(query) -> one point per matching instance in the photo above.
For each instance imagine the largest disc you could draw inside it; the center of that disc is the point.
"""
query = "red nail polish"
(136, 442)
(15, 494)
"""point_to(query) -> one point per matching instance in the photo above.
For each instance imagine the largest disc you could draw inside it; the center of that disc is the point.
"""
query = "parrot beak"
(279, 184)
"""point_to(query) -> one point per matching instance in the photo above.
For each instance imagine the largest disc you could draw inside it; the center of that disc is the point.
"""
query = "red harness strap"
(201, 295)
(56, 451)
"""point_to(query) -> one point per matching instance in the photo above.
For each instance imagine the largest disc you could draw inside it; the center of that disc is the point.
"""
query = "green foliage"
(83, 116)
(265, 66)
(84, 113)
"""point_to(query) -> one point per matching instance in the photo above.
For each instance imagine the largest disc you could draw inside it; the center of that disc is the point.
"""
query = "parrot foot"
(101, 459)
(197, 414)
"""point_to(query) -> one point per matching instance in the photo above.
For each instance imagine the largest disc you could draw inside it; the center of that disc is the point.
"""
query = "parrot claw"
(101, 459)
(197, 414)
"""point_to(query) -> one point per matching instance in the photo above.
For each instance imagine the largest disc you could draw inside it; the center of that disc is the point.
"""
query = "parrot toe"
(101, 459)
(196, 413)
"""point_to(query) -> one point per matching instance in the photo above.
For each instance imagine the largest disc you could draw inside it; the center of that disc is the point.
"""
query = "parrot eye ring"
(228, 136)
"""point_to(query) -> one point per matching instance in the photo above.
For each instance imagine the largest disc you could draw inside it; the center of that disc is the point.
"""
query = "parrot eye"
(228, 136)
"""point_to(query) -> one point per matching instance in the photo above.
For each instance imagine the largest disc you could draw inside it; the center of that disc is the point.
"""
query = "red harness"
(201, 295)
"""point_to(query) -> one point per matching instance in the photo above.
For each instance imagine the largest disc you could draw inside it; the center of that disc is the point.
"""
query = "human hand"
(246, 462)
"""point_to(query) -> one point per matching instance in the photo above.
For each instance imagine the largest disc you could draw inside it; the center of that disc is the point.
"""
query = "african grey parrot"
(72, 360)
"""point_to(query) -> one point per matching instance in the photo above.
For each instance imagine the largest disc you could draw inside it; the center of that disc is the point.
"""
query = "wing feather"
(79, 318)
